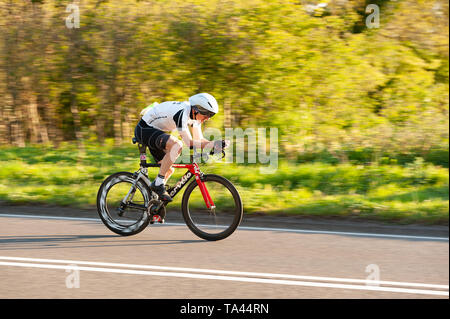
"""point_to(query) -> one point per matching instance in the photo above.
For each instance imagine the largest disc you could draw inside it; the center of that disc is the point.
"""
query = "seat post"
(142, 155)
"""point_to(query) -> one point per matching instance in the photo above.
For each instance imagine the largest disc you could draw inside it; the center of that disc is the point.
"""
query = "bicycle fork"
(206, 196)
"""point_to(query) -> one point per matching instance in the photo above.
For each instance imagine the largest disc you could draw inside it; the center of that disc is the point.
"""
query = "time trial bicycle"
(211, 205)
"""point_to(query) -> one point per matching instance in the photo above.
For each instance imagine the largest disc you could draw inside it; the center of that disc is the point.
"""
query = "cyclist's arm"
(198, 136)
(189, 141)
(199, 140)
(186, 137)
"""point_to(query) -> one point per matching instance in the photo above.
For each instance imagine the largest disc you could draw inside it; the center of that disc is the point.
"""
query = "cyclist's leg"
(173, 147)
(153, 138)
(165, 149)
(156, 141)
(168, 174)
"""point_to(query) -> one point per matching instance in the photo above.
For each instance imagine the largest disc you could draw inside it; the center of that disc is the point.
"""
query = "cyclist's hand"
(220, 145)
(225, 144)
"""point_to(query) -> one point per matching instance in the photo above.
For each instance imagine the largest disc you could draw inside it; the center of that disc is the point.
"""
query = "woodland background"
(339, 93)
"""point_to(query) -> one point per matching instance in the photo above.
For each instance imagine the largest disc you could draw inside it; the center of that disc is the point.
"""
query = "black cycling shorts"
(153, 138)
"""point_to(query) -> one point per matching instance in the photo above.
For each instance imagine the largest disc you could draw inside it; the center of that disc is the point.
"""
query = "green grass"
(415, 193)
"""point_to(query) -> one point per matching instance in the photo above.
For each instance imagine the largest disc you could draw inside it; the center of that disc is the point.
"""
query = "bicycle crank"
(156, 211)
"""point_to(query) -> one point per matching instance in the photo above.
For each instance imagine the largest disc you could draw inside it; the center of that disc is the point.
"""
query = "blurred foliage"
(338, 91)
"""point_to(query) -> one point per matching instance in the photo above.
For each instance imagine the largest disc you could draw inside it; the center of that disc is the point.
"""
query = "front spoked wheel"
(219, 221)
(122, 204)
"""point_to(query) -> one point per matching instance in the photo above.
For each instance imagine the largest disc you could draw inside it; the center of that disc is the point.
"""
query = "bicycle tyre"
(237, 211)
(102, 207)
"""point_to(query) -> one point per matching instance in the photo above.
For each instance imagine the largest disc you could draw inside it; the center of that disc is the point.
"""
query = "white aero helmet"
(204, 104)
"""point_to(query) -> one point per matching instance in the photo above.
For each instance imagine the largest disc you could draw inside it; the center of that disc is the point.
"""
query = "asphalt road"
(76, 257)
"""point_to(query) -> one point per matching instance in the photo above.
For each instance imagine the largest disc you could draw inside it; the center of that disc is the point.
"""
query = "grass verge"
(414, 193)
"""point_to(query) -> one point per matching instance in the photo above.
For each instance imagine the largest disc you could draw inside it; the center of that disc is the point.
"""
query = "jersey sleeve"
(180, 120)
(196, 124)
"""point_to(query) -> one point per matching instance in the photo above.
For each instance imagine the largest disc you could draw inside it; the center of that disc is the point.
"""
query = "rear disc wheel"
(122, 204)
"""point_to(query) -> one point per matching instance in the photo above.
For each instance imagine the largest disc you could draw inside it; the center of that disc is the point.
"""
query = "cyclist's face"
(202, 118)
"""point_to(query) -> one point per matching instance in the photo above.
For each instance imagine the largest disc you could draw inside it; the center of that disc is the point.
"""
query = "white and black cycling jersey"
(170, 116)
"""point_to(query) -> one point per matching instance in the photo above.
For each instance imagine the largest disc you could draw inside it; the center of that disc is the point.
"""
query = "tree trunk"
(227, 122)
(17, 127)
(117, 124)
(76, 118)
(41, 113)
(33, 120)
(73, 75)
(3, 126)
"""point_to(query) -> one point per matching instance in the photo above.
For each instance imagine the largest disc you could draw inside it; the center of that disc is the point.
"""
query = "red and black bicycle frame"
(193, 170)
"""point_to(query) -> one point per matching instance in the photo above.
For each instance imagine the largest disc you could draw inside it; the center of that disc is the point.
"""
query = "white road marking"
(225, 272)
(302, 231)
(370, 285)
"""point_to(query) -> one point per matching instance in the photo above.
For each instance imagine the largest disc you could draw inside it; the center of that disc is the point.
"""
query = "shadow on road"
(67, 241)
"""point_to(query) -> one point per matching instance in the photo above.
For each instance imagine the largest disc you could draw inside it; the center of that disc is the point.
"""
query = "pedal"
(157, 218)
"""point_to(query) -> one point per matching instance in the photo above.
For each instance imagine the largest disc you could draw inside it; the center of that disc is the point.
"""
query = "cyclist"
(152, 131)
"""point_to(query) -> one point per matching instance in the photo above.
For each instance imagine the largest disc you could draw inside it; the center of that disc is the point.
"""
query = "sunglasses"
(204, 112)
